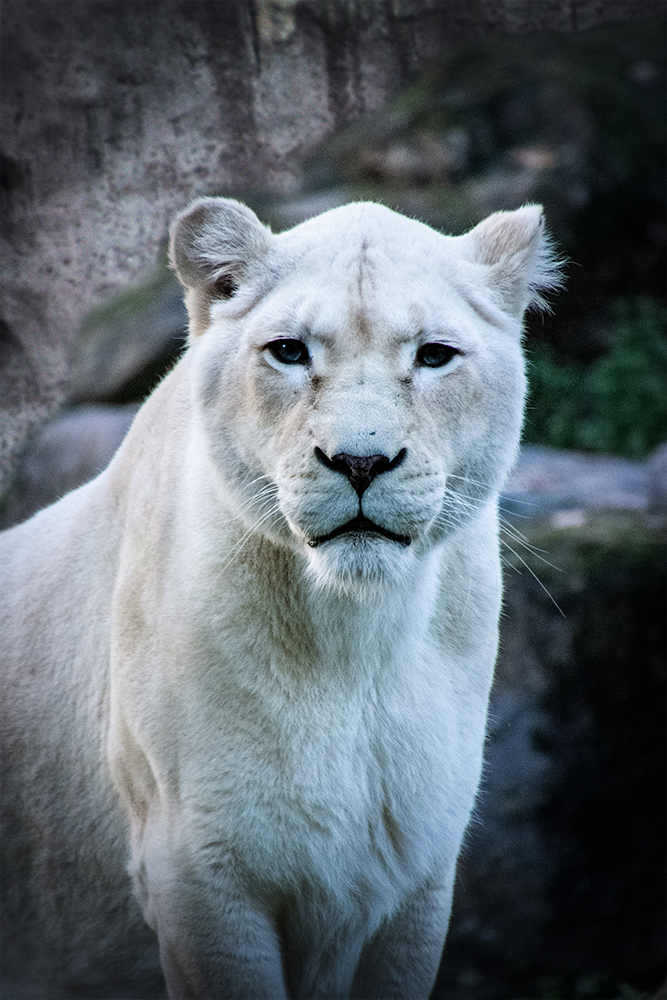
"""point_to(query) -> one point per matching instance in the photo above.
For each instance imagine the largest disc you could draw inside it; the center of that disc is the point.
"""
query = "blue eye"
(289, 352)
(435, 355)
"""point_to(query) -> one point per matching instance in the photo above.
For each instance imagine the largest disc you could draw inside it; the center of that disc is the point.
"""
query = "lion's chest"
(347, 791)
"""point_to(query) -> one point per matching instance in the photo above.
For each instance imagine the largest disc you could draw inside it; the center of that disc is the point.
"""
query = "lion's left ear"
(215, 245)
(520, 258)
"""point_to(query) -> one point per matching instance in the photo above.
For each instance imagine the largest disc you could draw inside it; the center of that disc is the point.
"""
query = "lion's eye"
(290, 352)
(435, 355)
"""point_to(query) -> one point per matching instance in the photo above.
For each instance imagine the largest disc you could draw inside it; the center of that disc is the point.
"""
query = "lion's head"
(359, 378)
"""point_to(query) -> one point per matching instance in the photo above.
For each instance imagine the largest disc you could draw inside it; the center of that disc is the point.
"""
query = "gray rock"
(546, 479)
(124, 347)
(66, 452)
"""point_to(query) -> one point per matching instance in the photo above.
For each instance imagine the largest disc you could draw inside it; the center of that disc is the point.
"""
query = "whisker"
(478, 482)
(464, 498)
(467, 504)
(238, 547)
(515, 514)
(535, 577)
(467, 479)
(267, 493)
(517, 500)
(252, 482)
(521, 539)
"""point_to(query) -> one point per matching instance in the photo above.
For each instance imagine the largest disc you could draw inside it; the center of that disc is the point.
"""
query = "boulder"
(68, 451)
(547, 479)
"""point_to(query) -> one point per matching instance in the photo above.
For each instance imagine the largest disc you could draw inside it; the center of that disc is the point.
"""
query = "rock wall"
(116, 112)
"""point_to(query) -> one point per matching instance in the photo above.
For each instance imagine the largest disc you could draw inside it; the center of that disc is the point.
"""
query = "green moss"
(629, 385)
(617, 404)
(130, 303)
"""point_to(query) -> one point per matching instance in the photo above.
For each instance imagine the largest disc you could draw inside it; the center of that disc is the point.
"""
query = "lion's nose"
(361, 470)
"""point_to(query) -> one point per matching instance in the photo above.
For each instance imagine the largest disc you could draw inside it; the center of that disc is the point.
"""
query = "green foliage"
(617, 404)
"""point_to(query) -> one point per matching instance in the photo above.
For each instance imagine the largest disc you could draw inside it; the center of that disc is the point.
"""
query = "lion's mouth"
(360, 525)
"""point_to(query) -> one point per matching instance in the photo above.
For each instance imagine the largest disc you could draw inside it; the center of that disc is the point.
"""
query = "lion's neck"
(376, 627)
(264, 599)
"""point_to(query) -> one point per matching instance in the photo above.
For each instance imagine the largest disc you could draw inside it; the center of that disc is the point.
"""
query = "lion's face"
(362, 396)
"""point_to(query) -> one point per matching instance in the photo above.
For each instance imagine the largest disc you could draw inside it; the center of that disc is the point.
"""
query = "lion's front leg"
(216, 941)
(237, 958)
(401, 960)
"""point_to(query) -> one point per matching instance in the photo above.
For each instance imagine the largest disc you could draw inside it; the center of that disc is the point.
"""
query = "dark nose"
(361, 470)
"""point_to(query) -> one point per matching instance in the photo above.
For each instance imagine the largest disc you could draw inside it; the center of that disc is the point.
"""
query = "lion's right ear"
(215, 244)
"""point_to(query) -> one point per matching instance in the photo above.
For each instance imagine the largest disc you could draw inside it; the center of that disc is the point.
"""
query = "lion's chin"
(363, 566)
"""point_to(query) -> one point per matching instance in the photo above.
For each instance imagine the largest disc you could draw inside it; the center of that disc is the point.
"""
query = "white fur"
(283, 742)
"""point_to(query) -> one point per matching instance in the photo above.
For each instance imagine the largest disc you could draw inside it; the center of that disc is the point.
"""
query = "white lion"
(246, 669)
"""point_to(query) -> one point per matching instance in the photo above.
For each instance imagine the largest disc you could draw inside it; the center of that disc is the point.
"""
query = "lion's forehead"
(376, 274)
(363, 223)
(365, 304)
(366, 247)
